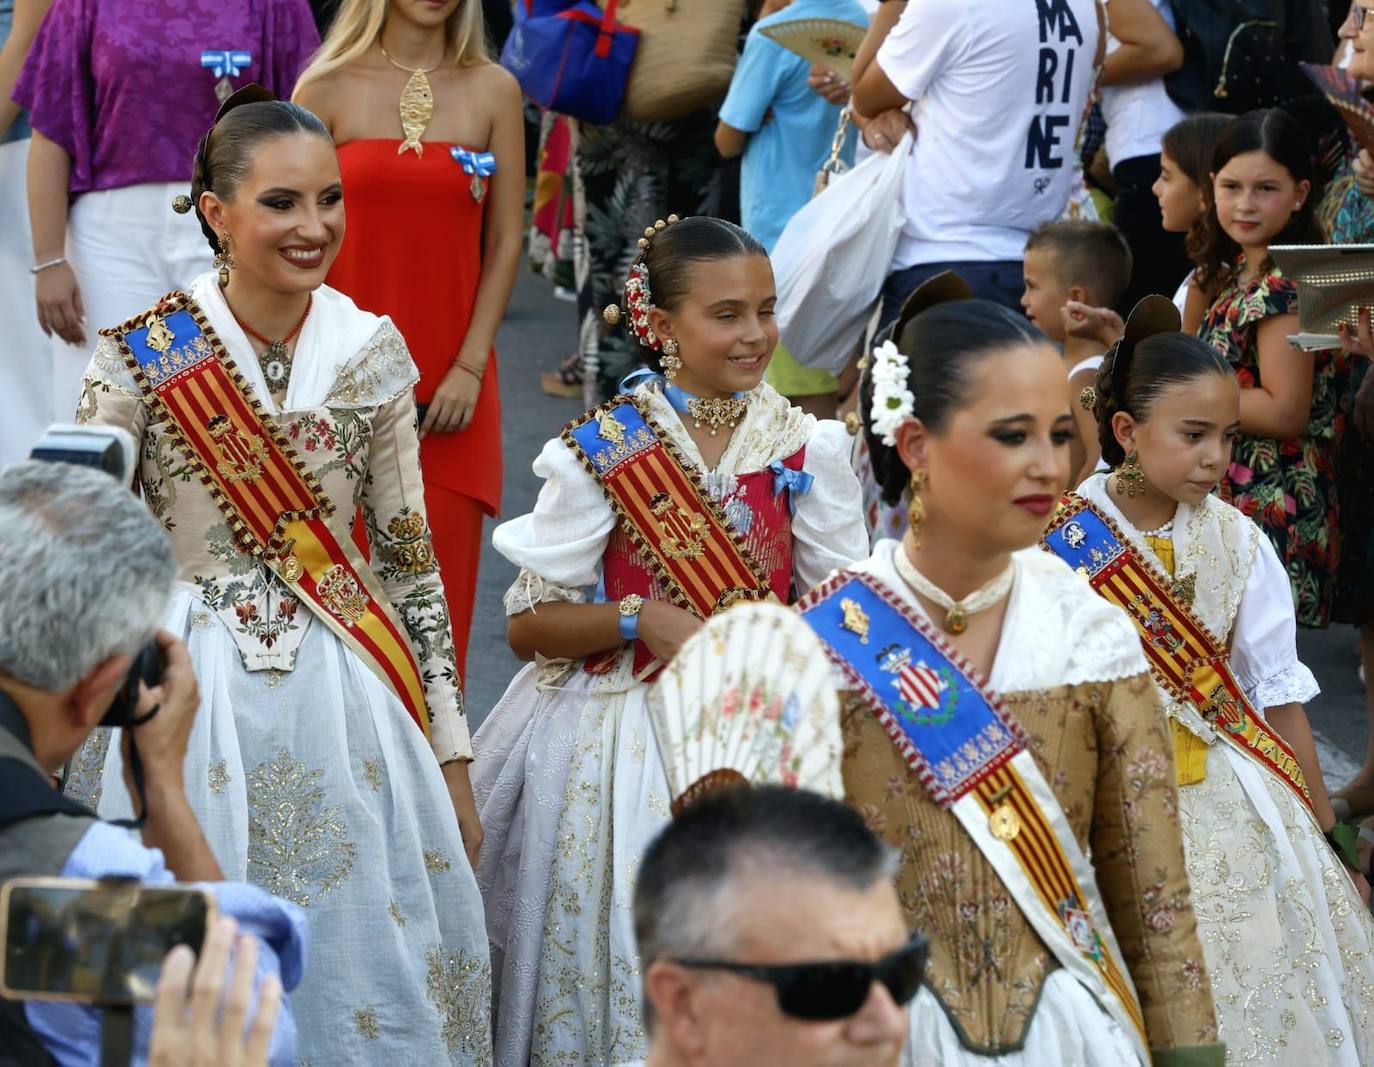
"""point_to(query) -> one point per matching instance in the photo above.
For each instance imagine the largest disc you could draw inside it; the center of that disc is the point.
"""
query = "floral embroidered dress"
(567, 773)
(1069, 669)
(305, 770)
(1289, 944)
(1288, 487)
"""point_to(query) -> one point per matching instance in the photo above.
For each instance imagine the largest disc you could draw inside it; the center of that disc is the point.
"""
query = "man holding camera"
(85, 575)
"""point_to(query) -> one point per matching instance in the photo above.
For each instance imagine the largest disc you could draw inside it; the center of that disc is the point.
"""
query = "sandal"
(566, 380)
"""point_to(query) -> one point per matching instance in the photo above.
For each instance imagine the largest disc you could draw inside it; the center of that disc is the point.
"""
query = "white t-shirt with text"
(1001, 88)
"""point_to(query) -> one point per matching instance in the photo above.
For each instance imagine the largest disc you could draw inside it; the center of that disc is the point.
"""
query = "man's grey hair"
(86, 572)
(685, 895)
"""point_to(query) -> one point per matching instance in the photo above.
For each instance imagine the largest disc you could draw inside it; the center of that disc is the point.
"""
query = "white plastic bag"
(832, 259)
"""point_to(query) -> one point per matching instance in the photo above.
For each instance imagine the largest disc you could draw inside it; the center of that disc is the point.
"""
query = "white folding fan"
(749, 697)
(829, 43)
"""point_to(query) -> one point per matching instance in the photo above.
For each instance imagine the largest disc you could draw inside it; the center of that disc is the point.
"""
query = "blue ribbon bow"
(784, 477)
(227, 62)
(482, 164)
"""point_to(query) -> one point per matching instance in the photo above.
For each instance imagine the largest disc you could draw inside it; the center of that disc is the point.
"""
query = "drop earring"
(916, 510)
(1130, 476)
(670, 361)
(224, 260)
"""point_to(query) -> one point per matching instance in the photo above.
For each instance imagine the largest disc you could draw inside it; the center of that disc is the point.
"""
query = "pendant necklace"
(713, 413)
(417, 104)
(957, 612)
(275, 360)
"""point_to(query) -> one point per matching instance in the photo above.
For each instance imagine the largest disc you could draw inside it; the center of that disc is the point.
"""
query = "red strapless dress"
(413, 251)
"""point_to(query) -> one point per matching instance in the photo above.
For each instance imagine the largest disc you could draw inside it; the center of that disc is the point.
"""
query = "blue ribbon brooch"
(227, 62)
(784, 477)
(480, 165)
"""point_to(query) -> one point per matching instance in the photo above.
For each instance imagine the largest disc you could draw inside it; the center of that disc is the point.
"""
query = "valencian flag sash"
(1185, 658)
(690, 546)
(274, 506)
(971, 758)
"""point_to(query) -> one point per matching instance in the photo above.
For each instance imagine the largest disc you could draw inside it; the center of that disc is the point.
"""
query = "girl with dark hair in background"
(118, 91)
(329, 757)
(687, 492)
(1281, 913)
(1282, 471)
(1001, 731)
(1185, 163)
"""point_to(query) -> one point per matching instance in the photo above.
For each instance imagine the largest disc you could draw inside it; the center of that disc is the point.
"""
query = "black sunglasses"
(833, 989)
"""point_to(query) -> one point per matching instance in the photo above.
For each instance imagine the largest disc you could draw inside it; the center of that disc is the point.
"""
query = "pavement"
(540, 330)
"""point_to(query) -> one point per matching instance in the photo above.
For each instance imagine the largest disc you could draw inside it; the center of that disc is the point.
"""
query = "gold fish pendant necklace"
(417, 104)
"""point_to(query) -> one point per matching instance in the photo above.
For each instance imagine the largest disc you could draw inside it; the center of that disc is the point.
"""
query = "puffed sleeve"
(828, 527)
(558, 546)
(393, 502)
(1137, 850)
(58, 88)
(1264, 645)
(290, 37)
(109, 394)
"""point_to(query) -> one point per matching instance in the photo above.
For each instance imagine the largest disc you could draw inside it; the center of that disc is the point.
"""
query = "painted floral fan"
(829, 43)
(1342, 91)
(749, 698)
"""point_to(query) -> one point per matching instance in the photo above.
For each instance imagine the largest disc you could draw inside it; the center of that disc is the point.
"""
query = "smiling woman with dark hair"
(329, 758)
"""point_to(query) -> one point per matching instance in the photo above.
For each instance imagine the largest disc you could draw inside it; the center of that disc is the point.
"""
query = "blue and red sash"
(692, 550)
(970, 756)
(1185, 659)
(272, 502)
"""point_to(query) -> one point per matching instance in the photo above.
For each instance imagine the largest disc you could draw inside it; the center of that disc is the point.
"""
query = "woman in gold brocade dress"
(968, 408)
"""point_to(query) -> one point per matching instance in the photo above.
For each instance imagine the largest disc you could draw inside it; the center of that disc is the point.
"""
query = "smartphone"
(421, 410)
(95, 942)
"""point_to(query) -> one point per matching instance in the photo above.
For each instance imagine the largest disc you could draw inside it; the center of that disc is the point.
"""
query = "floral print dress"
(1287, 487)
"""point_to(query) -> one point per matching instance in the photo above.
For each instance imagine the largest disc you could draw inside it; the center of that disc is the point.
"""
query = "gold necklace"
(417, 103)
(957, 612)
(716, 412)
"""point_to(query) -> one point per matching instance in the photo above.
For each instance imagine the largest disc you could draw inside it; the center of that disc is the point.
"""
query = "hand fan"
(822, 42)
(1342, 91)
(750, 697)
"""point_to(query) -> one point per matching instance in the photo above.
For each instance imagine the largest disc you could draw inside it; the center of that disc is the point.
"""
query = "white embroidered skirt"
(316, 785)
(1289, 945)
(571, 790)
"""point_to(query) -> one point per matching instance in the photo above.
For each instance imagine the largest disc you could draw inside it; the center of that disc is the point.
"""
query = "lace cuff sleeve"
(529, 589)
(1293, 684)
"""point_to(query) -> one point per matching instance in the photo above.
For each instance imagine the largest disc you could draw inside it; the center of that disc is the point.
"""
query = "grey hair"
(693, 871)
(86, 572)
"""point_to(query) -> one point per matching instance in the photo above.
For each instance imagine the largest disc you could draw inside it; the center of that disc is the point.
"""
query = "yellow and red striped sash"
(272, 502)
(694, 553)
(1184, 657)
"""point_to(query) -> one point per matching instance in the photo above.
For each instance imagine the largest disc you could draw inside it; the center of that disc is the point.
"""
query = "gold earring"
(224, 261)
(916, 510)
(1130, 476)
(670, 361)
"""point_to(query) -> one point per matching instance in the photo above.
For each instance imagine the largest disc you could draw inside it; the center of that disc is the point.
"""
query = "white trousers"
(128, 249)
(25, 369)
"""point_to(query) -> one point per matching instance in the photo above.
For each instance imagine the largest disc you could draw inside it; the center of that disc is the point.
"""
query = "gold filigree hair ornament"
(639, 299)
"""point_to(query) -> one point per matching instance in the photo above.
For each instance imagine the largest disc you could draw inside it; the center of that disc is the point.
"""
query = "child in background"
(1185, 162)
(784, 128)
(1282, 471)
(1069, 264)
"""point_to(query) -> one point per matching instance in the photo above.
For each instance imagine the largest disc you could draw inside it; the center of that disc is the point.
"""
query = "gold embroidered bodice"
(1104, 749)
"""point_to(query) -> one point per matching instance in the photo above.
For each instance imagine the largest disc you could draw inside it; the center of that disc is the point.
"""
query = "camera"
(111, 449)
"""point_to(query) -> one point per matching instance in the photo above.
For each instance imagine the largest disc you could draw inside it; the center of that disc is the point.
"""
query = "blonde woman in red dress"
(431, 150)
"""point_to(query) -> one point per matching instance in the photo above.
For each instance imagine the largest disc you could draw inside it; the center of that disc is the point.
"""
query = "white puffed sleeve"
(828, 528)
(559, 545)
(1264, 650)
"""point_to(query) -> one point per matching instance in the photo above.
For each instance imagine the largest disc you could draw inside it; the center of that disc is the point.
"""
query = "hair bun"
(249, 94)
(1152, 314)
(940, 289)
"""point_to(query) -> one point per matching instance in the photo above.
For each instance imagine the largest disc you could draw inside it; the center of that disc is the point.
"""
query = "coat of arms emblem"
(339, 592)
(241, 454)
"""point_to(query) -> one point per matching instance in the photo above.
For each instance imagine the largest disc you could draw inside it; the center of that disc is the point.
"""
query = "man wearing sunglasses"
(770, 933)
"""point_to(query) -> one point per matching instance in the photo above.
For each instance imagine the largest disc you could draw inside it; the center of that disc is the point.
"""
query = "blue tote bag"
(573, 59)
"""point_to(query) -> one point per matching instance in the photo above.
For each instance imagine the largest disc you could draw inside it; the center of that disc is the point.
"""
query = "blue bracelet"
(629, 627)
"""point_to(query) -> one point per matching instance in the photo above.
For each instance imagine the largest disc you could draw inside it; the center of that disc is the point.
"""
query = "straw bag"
(686, 57)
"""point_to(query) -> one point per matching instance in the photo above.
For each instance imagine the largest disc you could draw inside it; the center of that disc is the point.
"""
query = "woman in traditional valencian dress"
(1286, 933)
(1000, 727)
(268, 407)
(689, 494)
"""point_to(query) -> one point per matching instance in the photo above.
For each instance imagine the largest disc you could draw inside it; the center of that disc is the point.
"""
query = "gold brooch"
(855, 619)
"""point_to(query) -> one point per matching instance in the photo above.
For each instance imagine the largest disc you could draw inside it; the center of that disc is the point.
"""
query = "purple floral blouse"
(119, 83)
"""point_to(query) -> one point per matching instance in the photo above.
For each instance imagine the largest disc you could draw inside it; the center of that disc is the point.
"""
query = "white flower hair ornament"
(893, 400)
